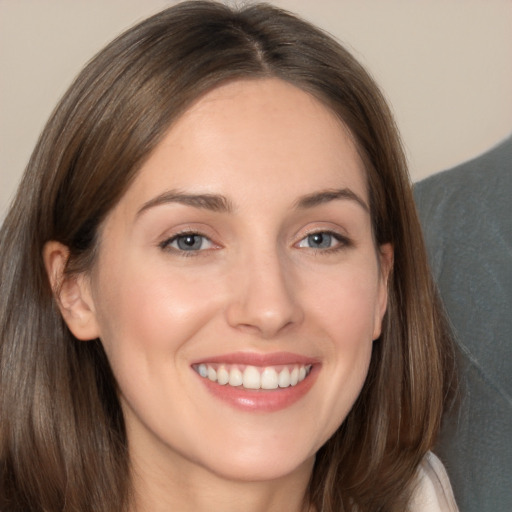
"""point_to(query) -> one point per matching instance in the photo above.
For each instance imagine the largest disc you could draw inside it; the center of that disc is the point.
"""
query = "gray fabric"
(466, 214)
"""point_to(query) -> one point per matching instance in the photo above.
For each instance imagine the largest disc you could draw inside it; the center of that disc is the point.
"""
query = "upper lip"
(259, 359)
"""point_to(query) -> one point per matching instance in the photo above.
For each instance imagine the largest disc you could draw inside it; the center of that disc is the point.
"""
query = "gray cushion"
(466, 214)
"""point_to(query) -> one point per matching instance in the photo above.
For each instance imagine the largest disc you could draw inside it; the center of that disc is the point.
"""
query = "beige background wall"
(445, 66)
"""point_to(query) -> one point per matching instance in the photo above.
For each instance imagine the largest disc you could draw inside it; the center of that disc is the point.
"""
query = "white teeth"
(294, 377)
(202, 370)
(284, 378)
(222, 376)
(269, 379)
(212, 374)
(253, 377)
(235, 377)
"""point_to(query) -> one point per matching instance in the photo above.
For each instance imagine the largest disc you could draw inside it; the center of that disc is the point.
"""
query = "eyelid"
(165, 243)
(343, 240)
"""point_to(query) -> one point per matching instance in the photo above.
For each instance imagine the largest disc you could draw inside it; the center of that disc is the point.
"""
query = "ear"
(72, 293)
(386, 257)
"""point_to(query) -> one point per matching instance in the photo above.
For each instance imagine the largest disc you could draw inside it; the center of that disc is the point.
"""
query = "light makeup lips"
(266, 382)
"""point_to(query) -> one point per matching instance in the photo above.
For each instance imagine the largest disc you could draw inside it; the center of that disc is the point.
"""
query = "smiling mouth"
(253, 377)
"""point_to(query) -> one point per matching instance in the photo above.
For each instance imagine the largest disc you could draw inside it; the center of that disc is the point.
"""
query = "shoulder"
(433, 492)
(480, 177)
(464, 193)
(466, 221)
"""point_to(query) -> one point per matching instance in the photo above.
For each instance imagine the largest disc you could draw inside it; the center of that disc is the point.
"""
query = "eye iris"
(319, 240)
(189, 242)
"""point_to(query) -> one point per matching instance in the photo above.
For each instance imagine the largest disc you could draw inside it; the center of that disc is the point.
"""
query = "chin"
(266, 467)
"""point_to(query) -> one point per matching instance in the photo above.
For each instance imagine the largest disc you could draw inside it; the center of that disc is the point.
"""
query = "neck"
(190, 488)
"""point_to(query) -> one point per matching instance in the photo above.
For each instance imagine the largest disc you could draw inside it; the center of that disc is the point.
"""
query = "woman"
(214, 288)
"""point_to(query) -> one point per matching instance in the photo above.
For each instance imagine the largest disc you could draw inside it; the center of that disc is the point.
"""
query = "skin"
(257, 284)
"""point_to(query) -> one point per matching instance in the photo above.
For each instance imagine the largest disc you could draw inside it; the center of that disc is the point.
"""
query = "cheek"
(342, 314)
(149, 324)
(150, 314)
(346, 303)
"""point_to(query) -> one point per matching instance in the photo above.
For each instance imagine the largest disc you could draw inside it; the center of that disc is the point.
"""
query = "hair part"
(62, 439)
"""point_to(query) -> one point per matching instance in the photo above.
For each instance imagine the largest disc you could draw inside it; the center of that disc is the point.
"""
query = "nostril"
(266, 321)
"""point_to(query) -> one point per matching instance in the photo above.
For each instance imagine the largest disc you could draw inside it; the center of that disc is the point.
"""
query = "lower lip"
(262, 400)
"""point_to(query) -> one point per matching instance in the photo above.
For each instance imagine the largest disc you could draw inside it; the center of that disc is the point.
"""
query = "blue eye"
(319, 240)
(322, 240)
(188, 242)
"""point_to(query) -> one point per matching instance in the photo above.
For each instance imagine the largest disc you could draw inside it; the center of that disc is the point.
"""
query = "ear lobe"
(72, 293)
(386, 258)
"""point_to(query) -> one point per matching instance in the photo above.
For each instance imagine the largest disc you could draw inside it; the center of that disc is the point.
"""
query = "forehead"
(255, 137)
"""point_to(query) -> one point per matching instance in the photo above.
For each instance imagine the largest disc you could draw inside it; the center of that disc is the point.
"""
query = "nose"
(263, 295)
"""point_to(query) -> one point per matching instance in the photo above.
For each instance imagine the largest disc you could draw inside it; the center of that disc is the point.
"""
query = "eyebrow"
(221, 204)
(212, 202)
(325, 196)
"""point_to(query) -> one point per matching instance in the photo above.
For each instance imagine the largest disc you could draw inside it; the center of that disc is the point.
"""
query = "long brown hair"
(62, 437)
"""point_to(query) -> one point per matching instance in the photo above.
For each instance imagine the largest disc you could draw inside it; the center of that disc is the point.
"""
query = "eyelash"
(342, 243)
(166, 244)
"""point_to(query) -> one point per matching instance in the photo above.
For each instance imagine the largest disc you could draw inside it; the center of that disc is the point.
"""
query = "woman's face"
(237, 289)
